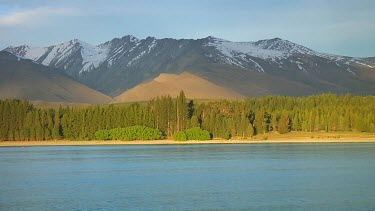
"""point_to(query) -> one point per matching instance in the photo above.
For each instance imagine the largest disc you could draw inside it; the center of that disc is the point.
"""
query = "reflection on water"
(256, 176)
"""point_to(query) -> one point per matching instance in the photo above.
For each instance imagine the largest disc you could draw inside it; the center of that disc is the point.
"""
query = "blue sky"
(332, 26)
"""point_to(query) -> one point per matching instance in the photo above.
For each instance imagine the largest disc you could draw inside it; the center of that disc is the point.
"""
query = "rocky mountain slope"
(273, 66)
(25, 79)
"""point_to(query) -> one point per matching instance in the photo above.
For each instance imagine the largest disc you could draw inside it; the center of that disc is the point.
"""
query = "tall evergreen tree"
(182, 112)
(56, 130)
(261, 122)
(284, 123)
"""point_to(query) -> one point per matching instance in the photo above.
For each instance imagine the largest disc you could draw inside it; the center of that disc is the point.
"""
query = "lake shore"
(295, 137)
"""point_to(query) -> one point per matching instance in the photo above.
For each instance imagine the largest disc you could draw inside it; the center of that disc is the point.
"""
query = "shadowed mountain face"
(273, 66)
(370, 59)
(25, 79)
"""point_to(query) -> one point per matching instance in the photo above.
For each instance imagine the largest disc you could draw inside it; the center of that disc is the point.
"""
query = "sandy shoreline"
(361, 139)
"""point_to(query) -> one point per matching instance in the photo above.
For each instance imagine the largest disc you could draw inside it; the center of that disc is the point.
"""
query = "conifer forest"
(163, 117)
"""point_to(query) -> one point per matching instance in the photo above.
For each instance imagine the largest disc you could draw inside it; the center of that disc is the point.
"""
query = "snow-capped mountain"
(77, 56)
(122, 63)
(274, 51)
(73, 54)
(84, 57)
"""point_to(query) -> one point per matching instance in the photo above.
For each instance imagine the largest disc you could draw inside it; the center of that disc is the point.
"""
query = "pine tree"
(284, 123)
(56, 130)
(194, 122)
(244, 123)
(249, 131)
(39, 133)
(260, 122)
(274, 122)
(182, 112)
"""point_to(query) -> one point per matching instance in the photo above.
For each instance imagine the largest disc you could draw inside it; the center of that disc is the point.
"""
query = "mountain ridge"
(122, 63)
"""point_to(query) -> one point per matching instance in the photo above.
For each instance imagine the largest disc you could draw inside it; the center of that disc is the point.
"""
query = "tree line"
(20, 120)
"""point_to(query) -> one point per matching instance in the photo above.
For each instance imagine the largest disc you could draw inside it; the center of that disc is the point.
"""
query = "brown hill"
(24, 79)
(171, 84)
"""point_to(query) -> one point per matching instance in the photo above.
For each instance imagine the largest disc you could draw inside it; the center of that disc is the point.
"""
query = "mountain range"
(265, 67)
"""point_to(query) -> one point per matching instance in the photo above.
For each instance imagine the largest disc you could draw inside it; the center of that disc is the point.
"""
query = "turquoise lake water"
(189, 177)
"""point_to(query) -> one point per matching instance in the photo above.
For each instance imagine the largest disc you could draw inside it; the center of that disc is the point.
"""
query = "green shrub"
(130, 133)
(180, 136)
(226, 136)
(103, 135)
(195, 133)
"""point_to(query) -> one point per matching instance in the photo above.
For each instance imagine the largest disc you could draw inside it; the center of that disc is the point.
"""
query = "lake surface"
(189, 177)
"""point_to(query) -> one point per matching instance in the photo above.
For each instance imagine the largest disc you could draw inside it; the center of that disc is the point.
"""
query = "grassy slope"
(171, 84)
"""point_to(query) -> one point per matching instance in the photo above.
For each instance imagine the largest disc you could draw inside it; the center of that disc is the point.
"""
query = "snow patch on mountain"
(92, 56)
(152, 45)
(299, 65)
(345, 60)
(35, 53)
(367, 65)
(113, 57)
(136, 45)
(285, 46)
(230, 49)
(133, 39)
(257, 66)
(273, 50)
(349, 70)
(136, 58)
(25, 51)
(58, 52)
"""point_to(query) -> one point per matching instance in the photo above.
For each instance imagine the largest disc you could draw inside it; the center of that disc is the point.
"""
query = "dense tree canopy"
(20, 120)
